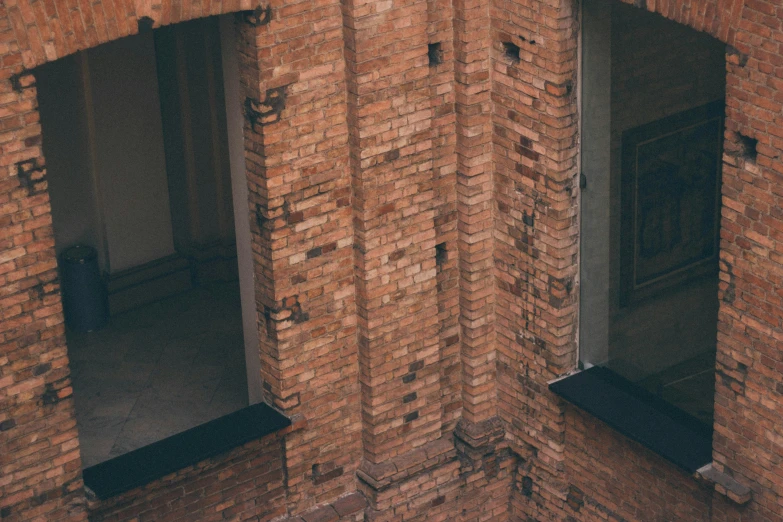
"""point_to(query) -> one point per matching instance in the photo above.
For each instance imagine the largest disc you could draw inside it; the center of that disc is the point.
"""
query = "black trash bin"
(85, 299)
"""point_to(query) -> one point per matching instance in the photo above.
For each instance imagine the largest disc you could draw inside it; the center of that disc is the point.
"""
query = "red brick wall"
(572, 465)
(300, 204)
(747, 441)
(415, 233)
(247, 483)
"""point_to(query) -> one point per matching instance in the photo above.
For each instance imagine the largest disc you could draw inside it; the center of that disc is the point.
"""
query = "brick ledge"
(345, 506)
(402, 467)
(480, 435)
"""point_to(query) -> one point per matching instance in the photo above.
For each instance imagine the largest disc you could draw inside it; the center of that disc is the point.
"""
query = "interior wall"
(191, 87)
(659, 68)
(62, 104)
(139, 190)
(130, 160)
(236, 149)
(594, 245)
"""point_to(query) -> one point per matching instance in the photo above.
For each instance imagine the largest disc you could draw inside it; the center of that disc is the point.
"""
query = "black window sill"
(142, 466)
(638, 414)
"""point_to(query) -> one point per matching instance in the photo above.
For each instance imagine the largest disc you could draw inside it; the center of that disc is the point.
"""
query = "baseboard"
(213, 262)
(148, 283)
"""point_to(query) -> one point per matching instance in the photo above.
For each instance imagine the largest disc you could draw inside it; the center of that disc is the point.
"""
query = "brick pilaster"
(39, 448)
(391, 121)
(535, 129)
(296, 139)
(474, 207)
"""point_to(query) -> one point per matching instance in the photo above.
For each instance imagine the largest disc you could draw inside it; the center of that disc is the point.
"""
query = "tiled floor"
(158, 370)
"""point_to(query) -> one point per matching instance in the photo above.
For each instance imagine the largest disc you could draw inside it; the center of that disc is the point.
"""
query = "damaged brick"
(259, 16)
(7, 424)
(42, 368)
(559, 89)
(434, 54)
(575, 498)
(397, 255)
(291, 310)
(260, 113)
(31, 174)
(733, 55)
(50, 396)
(391, 155)
(145, 24)
(22, 80)
(318, 251)
(320, 476)
(526, 486)
(511, 51)
(748, 148)
(261, 219)
(729, 293)
(410, 417)
(559, 289)
(441, 255)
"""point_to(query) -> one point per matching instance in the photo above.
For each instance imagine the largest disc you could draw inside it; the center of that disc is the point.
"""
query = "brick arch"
(718, 18)
(47, 31)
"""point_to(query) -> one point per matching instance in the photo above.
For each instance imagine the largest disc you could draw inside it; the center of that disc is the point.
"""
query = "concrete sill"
(724, 484)
(144, 465)
(639, 415)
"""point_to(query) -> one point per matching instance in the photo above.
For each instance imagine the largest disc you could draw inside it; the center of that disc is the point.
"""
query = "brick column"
(296, 139)
(479, 435)
(440, 34)
(748, 389)
(474, 205)
(535, 122)
(392, 168)
(39, 448)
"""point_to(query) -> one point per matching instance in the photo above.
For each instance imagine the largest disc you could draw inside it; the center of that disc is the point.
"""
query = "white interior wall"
(63, 110)
(596, 167)
(130, 160)
(236, 150)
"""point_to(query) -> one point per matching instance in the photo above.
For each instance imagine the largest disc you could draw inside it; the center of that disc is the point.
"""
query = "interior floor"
(690, 386)
(158, 370)
(667, 345)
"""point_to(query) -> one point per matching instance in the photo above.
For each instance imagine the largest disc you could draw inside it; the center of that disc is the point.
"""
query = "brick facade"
(412, 167)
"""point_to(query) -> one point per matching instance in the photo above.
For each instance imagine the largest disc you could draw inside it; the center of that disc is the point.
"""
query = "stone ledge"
(402, 467)
(725, 484)
(345, 506)
(178, 456)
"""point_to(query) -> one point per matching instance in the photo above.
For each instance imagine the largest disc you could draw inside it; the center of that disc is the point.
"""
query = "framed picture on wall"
(670, 191)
